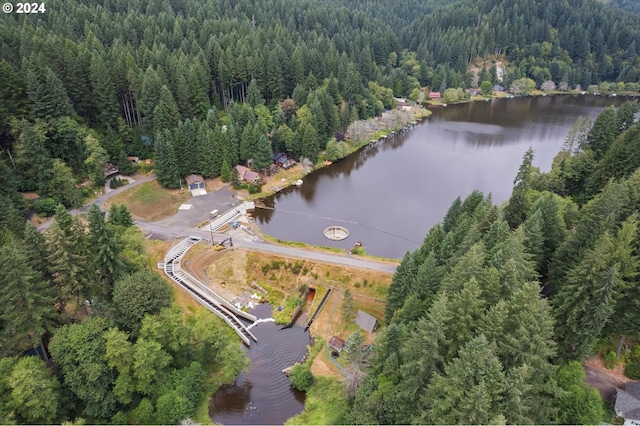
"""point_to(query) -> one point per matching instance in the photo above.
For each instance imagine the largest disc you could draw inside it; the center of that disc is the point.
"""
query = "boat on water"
(298, 182)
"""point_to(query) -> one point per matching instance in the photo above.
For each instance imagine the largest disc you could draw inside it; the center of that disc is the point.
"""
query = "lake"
(389, 195)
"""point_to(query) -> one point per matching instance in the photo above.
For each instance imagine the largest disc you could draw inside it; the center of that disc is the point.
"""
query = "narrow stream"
(264, 395)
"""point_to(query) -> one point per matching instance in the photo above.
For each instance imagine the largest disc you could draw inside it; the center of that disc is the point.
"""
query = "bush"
(632, 370)
(301, 377)
(610, 360)
(255, 188)
(117, 183)
(359, 251)
(45, 207)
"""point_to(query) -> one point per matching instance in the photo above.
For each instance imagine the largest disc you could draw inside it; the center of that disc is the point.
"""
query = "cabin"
(367, 322)
(195, 182)
(247, 175)
(435, 96)
(282, 160)
(498, 88)
(110, 170)
(336, 344)
(627, 404)
(474, 92)
(402, 104)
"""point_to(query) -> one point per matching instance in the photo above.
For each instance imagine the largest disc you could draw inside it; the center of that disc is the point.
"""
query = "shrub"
(632, 370)
(359, 251)
(301, 377)
(45, 207)
(117, 183)
(254, 188)
(610, 360)
(297, 268)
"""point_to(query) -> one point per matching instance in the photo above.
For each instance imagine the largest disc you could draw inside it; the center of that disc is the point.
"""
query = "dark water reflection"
(390, 194)
(264, 394)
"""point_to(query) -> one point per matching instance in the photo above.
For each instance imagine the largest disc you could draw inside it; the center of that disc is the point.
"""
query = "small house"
(133, 160)
(402, 104)
(282, 160)
(498, 88)
(110, 170)
(367, 322)
(247, 175)
(628, 404)
(336, 344)
(474, 92)
(195, 182)
(435, 96)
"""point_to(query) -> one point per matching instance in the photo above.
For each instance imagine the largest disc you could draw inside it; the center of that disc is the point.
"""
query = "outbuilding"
(367, 322)
(195, 182)
(336, 344)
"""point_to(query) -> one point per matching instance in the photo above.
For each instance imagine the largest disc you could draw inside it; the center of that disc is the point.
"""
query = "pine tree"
(400, 284)
(28, 303)
(254, 97)
(469, 391)
(166, 165)
(105, 250)
(96, 161)
(225, 172)
(62, 186)
(119, 215)
(263, 155)
(32, 160)
(602, 134)
(308, 137)
(586, 300)
(104, 92)
(515, 212)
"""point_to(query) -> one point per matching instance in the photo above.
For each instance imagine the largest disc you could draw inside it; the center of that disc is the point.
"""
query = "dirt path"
(604, 380)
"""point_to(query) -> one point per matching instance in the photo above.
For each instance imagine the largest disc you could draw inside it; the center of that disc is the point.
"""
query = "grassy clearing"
(150, 202)
(325, 404)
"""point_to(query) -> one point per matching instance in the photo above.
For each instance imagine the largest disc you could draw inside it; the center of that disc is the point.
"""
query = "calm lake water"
(263, 395)
(390, 194)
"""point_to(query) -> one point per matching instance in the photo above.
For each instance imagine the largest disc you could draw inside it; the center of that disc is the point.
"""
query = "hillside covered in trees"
(204, 87)
(470, 337)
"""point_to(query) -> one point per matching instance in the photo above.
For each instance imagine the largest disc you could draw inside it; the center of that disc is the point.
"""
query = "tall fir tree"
(166, 164)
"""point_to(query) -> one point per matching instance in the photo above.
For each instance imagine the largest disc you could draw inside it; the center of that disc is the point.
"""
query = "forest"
(204, 87)
(201, 87)
(488, 321)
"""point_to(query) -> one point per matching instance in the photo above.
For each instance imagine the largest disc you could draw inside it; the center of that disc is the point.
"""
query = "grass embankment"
(299, 244)
(150, 202)
(325, 402)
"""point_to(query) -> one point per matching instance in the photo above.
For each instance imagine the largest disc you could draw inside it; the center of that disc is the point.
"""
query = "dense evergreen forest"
(203, 86)
(471, 339)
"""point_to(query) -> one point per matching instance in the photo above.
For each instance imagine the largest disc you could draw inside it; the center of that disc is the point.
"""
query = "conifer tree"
(27, 301)
(515, 212)
(604, 131)
(400, 284)
(469, 391)
(32, 159)
(166, 164)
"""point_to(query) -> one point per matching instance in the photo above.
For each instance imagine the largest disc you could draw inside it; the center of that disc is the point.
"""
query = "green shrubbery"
(301, 377)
